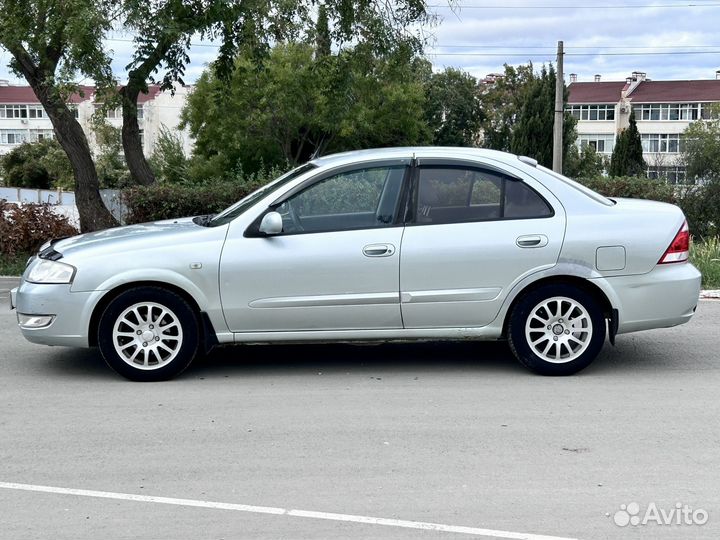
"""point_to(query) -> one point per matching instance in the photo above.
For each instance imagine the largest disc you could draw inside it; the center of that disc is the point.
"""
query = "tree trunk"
(94, 215)
(134, 155)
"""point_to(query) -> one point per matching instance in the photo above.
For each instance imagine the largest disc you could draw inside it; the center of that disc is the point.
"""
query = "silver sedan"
(379, 245)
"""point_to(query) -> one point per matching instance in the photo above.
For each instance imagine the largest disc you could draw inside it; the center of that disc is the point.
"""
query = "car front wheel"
(556, 330)
(148, 334)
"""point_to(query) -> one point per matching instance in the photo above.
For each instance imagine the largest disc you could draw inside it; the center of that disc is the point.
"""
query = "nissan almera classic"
(378, 245)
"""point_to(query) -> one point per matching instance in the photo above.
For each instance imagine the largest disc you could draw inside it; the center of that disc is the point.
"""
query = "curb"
(710, 295)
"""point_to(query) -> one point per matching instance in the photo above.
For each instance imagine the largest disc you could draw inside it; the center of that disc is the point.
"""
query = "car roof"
(348, 158)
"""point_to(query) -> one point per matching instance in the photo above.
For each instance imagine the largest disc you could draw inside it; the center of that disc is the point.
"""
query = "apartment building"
(663, 110)
(22, 117)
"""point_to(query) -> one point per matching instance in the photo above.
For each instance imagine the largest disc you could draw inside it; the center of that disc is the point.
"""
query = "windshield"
(230, 213)
(577, 185)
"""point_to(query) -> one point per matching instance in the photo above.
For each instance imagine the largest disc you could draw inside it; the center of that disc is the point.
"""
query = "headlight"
(51, 272)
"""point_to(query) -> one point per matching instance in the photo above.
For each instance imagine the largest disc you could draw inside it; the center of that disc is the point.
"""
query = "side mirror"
(271, 224)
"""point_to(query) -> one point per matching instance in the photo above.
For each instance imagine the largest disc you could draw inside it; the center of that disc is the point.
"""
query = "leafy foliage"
(701, 204)
(702, 149)
(583, 163)
(631, 186)
(501, 101)
(298, 106)
(25, 227)
(38, 165)
(168, 159)
(111, 168)
(166, 201)
(627, 157)
(454, 110)
(532, 134)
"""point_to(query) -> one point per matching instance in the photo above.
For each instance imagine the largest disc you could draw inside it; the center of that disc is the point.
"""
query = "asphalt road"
(455, 434)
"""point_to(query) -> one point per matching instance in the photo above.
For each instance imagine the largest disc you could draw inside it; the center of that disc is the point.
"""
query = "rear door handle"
(378, 250)
(532, 241)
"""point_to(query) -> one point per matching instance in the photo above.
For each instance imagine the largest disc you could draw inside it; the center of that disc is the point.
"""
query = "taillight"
(679, 249)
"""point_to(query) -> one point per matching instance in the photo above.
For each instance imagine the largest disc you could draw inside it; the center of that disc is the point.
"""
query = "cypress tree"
(627, 157)
(533, 132)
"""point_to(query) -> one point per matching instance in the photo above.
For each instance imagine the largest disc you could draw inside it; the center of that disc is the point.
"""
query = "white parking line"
(439, 527)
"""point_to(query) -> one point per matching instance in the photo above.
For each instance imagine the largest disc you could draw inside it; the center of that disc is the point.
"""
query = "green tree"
(532, 134)
(627, 157)
(49, 42)
(701, 149)
(583, 163)
(41, 164)
(501, 101)
(163, 30)
(168, 159)
(297, 106)
(454, 111)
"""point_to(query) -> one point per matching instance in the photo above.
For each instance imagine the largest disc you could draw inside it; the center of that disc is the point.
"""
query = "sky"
(667, 39)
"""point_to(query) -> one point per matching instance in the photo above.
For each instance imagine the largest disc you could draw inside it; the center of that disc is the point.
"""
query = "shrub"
(25, 227)
(705, 254)
(168, 201)
(38, 165)
(631, 186)
(701, 204)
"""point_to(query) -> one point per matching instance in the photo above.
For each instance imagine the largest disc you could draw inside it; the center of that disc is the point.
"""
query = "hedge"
(701, 204)
(167, 201)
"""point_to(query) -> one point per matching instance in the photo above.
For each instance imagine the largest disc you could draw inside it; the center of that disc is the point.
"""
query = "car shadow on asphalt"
(302, 359)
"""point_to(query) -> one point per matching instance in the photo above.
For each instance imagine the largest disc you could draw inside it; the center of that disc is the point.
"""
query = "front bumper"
(666, 296)
(72, 311)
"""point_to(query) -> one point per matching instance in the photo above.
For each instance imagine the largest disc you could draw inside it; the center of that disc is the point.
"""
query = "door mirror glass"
(271, 224)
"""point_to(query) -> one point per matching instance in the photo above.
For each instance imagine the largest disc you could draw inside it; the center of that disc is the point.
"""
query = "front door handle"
(532, 241)
(378, 250)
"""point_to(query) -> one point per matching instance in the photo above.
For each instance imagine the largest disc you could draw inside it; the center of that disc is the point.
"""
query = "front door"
(335, 266)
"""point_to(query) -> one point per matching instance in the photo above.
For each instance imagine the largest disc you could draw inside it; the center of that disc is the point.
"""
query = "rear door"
(473, 231)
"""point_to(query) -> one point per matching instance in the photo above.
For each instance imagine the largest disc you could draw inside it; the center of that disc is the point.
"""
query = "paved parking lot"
(451, 434)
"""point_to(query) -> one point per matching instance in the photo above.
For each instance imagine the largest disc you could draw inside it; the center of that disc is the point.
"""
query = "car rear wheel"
(148, 334)
(556, 330)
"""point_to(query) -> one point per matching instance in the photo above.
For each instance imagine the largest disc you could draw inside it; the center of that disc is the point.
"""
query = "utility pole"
(559, 113)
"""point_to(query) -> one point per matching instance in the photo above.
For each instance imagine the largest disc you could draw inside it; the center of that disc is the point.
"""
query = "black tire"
(525, 351)
(178, 342)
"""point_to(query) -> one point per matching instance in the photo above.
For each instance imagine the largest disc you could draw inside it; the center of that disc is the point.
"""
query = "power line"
(537, 55)
(615, 6)
(652, 51)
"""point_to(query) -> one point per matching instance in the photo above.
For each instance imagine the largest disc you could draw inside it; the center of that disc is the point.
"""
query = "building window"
(41, 135)
(672, 174)
(142, 138)
(687, 112)
(13, 111)
(602, 143)
(12, 136)
(661, 143)
(36, 111)
(140, 112)
(593, 113)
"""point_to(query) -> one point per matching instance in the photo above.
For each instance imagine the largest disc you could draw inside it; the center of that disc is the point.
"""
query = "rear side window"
(460, 195)
(521, 201)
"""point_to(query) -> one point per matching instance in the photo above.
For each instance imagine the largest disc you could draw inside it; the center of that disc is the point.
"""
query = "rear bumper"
(666, 296)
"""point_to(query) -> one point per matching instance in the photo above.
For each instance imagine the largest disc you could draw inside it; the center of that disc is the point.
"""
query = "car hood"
(173, 231)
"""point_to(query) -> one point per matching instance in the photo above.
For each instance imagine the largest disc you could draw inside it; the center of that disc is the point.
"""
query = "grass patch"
(705, 255)
(13, 265)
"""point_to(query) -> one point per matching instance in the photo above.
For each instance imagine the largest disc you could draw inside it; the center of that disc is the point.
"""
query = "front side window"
(359, 199)
(461, 195)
